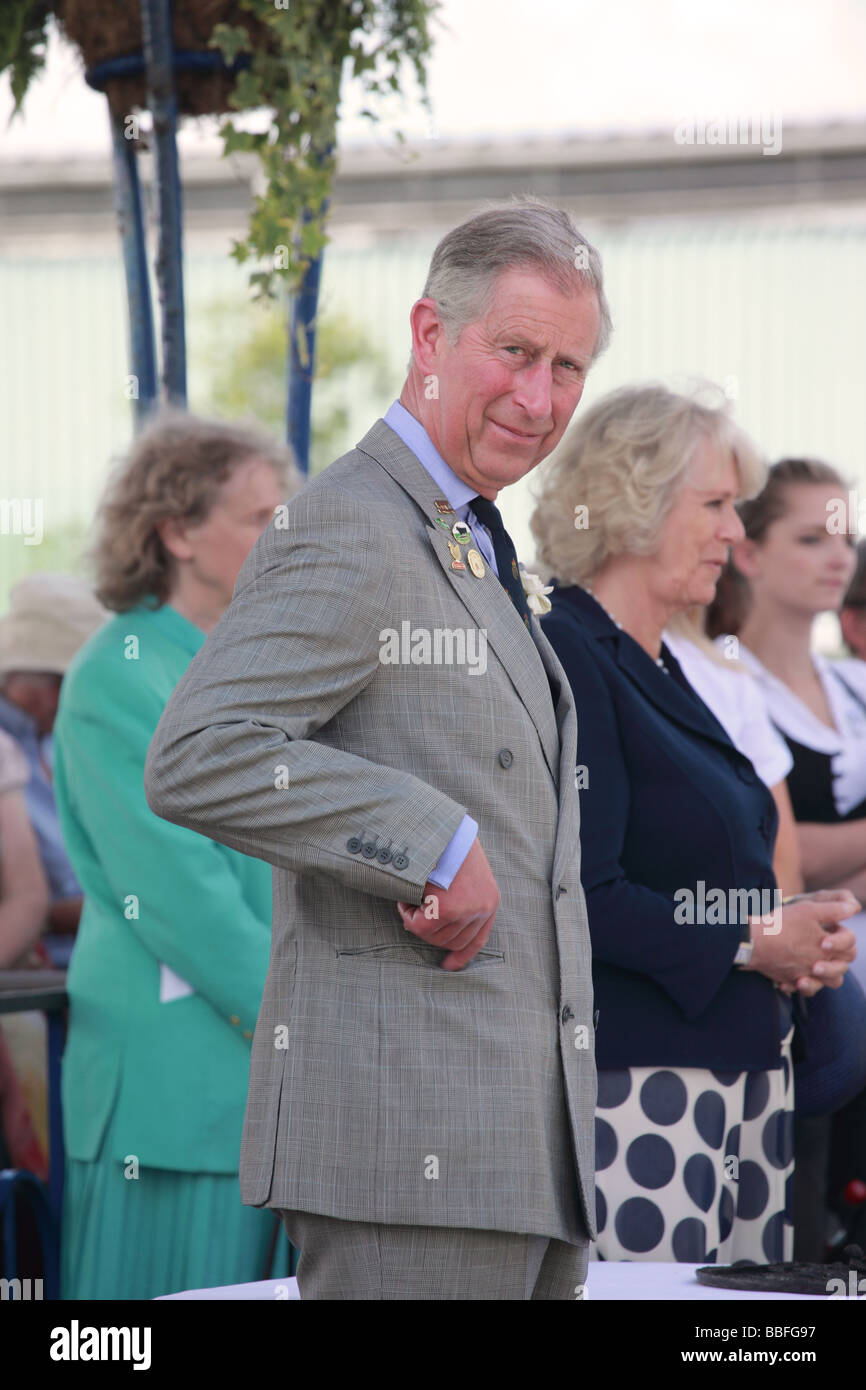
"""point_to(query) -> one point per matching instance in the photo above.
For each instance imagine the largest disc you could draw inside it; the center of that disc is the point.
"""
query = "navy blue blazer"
(668, 801)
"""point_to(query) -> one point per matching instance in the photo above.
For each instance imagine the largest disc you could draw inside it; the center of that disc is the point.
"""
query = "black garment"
(828, 1150)
(810, 780)
(667, 804)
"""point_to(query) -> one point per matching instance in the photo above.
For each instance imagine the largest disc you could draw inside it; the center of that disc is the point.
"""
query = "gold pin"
(457, 565)
(455, 550)
(476, 564)
(443, 506)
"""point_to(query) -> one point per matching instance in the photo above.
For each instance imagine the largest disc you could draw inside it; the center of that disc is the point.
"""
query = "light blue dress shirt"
(39, 797)
(459, 494)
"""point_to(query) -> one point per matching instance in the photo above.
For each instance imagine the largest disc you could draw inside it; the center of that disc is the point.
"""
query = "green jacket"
(156, 896)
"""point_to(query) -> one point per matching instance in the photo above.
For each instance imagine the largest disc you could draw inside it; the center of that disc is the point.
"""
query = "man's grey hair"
(524, 232)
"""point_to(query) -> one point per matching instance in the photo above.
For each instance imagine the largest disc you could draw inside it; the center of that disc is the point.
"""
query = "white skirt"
(695, 1166)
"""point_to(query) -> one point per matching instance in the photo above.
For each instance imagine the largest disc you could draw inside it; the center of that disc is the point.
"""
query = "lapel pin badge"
(443, 506)
(476, 564)
(460, 531)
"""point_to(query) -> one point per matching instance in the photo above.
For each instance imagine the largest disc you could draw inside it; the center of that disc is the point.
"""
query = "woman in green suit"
(170, 959)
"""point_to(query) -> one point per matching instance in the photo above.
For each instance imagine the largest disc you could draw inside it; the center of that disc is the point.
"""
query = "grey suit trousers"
(358, 1260)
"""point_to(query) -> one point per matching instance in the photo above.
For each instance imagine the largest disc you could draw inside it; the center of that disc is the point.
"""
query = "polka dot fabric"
(667, 1185)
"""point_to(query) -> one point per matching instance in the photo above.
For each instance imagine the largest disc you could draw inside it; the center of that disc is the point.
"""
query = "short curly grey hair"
(173, 468)
(625, 462)
(523, 232)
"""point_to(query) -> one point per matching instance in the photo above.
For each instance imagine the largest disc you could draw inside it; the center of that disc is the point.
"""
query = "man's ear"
(427, 332)
(746, 557)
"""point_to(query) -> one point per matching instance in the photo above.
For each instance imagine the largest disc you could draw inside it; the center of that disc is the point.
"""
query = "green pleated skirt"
(161, 1232)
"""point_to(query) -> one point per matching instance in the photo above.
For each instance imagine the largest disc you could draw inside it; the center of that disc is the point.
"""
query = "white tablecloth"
(626, 1281)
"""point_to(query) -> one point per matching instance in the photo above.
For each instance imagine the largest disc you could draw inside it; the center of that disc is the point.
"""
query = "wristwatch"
(743, 958)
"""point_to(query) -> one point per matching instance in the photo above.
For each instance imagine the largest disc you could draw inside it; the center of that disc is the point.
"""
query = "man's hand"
(812, 950)
(460, 917)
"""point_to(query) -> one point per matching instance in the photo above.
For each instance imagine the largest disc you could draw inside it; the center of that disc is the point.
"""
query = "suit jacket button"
(354, 845)
(234, 1020)
(369, 850)
(506, 757)
(384, 855)
(247, 1033)
(400, 861)
(566, 1014)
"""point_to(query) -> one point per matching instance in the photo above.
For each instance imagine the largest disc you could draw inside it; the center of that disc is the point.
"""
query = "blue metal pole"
(130, 219)
(302, 327)
(159, 62)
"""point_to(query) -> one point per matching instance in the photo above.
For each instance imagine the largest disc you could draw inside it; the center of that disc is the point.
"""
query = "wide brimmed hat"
(49, 617)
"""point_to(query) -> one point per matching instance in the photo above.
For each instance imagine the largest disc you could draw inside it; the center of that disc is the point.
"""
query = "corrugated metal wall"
(777, 313)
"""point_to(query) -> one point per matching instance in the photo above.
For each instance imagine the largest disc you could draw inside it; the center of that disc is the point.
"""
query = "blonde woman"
(694, 1119)
(167, 973)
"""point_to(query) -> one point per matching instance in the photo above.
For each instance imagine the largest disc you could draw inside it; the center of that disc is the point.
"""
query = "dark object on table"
(791, 1276)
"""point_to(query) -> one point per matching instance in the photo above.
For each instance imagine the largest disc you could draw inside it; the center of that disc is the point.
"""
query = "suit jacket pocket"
(414, 953)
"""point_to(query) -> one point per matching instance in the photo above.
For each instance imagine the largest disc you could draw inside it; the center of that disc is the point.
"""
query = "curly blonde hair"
(174, 468)
(624, 462)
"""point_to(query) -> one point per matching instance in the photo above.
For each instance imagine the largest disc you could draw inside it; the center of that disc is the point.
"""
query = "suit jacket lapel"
(686, 708)
(667, 694)
(524, 654)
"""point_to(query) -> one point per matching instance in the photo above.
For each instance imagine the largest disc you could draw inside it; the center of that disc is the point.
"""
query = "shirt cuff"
(452, 856)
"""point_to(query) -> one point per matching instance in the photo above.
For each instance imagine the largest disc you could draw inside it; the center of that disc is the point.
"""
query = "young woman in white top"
(795, 562)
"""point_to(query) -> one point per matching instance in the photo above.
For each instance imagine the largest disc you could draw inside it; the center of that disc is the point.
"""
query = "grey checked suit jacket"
(382, 1087)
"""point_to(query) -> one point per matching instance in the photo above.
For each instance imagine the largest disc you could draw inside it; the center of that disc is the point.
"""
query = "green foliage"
(248, 360)
(23, 40)
(316, 44)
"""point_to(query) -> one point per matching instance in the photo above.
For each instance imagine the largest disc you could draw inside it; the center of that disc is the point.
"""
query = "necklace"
(616, 624)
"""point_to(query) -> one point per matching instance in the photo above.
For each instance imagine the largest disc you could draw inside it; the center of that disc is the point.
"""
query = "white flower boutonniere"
(536, 594)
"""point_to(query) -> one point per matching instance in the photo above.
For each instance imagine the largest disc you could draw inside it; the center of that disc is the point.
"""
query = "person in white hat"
(50, 616)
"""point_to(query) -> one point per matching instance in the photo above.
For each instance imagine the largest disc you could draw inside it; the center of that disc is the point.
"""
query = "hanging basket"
(108, 32)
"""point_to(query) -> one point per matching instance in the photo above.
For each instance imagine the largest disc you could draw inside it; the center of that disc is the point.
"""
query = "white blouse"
(735, 698)
(846, 744)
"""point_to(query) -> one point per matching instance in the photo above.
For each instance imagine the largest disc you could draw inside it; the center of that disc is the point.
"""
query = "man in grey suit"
(378, 715)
